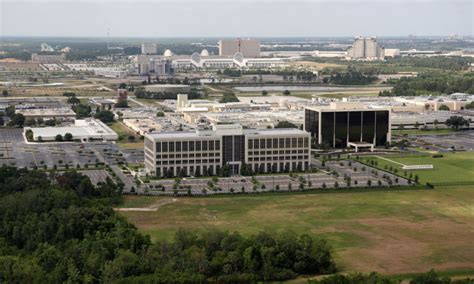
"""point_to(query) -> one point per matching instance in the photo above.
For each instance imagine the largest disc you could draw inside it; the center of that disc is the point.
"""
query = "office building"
(48, 58)
(149, 48)
(205, 152)
(341, 125)
(248, 47)
(365, 48)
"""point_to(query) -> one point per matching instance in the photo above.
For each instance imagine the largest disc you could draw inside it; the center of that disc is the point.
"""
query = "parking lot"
(335, 174)
(446, 142)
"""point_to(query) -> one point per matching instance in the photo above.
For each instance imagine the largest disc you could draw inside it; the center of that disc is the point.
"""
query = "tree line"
(61, 228)
(142, 94)
(431, 83)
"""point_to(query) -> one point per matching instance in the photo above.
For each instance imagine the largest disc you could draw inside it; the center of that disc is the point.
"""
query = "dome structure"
(204, 53)
(168, 53)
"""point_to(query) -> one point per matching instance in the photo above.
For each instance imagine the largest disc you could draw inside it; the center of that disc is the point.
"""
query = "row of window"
(179, 162)
(184, 146)
(187, 171)
(280, 158)
(191, 155)
(281, 152)
(269, 143)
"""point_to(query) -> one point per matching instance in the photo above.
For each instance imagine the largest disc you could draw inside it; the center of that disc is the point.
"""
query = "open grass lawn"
(390, 232)
(123, 133)
(452, 167)
(421, 131)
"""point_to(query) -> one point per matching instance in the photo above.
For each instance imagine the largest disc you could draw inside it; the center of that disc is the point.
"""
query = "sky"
(234, 18)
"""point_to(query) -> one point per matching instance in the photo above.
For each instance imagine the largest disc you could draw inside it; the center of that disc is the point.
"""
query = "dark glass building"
(339, 124)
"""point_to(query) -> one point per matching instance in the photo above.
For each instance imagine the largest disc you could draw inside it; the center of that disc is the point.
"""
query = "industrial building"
(83, 130)
(341, 125)
(365, 48)
(247, 47)
(205, 152)
(64, 113)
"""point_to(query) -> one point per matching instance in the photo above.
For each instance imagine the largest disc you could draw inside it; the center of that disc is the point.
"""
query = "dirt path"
(153, 207)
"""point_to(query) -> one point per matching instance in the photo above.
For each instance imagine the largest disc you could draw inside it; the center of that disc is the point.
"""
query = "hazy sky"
(263, 18)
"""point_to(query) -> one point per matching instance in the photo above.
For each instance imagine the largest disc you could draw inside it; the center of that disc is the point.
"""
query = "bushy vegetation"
(431, 83)
(66, 231)
(142, 94)
(228, 97)
(351, 77)
(430, 277)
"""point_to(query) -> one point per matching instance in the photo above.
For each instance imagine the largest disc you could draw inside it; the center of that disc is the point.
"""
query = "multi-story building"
(341, 125)
(248, 47)
(366, 48)
(48, 58)
(205, 152)
(149, 48)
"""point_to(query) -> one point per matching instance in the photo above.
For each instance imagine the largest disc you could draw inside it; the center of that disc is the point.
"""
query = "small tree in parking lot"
(58, 138)
(68, 137)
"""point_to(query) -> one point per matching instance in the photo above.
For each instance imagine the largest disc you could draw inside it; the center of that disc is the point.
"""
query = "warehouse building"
(83, 130)
(205, 152)
(342, 125)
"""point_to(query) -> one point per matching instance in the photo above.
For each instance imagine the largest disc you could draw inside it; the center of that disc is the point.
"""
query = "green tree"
(285, 124)
(286, 92)
(59, 138)
(443, 107)
(105, 116)
(68, 137)
(457, 122)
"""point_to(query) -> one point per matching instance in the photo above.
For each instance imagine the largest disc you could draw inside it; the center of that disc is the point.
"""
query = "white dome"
(204, 53)
(168, 53)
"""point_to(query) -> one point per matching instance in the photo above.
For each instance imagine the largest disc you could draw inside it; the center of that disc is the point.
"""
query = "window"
(185, 146)
(204, 145)
(191, 145)
(158, 147)
(269, 143)
(198, 145)
(164, 146)
(211, 145)
(178, 146)
(250, 143)
(171, 146)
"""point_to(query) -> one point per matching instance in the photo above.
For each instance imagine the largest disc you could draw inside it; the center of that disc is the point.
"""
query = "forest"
(59, 227)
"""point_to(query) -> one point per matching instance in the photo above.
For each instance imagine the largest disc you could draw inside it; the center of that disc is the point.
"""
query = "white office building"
(205, 152)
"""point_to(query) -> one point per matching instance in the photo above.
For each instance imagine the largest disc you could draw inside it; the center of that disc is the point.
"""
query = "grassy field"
(391, 232)
(124, 132)
(452, 167)
(422, 131)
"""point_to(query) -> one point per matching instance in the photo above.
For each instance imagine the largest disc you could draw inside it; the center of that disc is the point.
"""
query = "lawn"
(123, 133)
(389, 231)
(423, 131)
(452, 167)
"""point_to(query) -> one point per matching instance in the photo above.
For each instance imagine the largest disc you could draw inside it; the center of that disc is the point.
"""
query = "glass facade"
(311, 123)
(382, 119)
(340, 127)
(340, 137)
(368, 126)
(355, 126)
(233, 149)
(327, 129)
